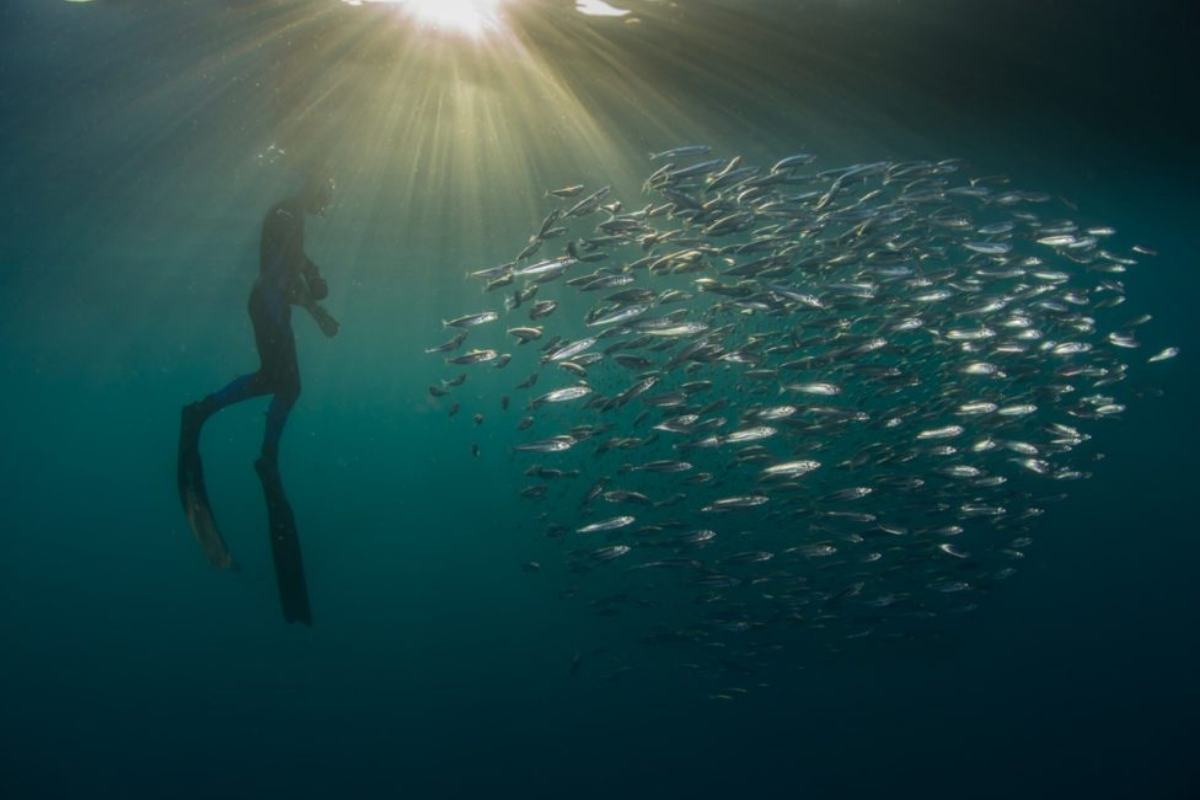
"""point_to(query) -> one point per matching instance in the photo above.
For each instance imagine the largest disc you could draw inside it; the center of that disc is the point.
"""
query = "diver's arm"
(317, 288)
(304, 296)
(310, 289)
(283, 257)
(329, 326)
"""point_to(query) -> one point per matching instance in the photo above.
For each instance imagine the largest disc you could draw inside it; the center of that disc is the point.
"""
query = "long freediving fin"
(285, 546)
(194, 496)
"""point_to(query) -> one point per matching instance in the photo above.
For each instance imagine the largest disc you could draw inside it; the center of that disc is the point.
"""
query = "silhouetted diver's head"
(316, 193)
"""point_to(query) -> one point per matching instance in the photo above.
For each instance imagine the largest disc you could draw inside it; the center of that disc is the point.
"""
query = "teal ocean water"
(142, 146)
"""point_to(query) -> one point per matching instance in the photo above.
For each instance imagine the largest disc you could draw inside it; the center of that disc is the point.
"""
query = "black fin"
(285, 546)
(194, 496)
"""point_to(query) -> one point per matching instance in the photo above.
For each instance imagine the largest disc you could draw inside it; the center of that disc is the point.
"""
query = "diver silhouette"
(286, 277)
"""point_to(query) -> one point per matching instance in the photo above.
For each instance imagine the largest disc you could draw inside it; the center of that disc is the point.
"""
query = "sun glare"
(472, 18)
(599, 8)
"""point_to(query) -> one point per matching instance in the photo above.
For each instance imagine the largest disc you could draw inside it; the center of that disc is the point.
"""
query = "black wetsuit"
(285, 276)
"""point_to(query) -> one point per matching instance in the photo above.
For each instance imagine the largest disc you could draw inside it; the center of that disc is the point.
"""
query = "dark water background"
(134, 159)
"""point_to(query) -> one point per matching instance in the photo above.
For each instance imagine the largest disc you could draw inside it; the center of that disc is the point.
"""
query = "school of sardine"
(779, 406)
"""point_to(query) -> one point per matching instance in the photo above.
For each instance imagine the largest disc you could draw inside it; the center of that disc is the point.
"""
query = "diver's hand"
(329, 326)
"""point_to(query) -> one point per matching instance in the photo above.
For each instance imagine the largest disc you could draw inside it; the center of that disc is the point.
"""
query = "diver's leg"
(243, 387)
(194, 415)
(282, 370)
(240, 388)
(277, 415)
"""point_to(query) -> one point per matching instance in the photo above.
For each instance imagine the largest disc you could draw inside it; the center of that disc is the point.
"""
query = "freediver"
(286, 277)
